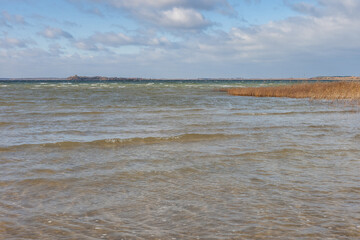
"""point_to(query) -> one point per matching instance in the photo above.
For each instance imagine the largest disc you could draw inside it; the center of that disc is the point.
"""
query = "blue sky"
(179, 38)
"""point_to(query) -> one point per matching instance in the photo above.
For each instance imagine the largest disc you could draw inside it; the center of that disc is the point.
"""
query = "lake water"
(174, 160)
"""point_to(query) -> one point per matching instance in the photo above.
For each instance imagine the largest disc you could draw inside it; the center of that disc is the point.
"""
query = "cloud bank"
(183, 38)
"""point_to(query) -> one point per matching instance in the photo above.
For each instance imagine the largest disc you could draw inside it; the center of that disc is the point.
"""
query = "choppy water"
(174, 160)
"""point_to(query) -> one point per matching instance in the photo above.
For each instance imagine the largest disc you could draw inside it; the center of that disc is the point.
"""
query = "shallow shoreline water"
(175, 160)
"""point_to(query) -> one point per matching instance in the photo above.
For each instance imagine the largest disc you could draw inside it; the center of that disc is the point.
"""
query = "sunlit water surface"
(174, 160)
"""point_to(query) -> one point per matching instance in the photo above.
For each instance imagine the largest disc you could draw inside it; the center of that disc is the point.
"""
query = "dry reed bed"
(329, 90)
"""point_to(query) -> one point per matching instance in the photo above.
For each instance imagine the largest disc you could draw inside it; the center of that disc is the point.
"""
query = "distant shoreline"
(101, 78)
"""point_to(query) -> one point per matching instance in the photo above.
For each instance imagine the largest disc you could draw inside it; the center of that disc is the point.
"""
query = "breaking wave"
(119, 142)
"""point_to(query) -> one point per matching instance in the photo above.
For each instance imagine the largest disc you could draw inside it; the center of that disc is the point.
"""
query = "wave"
(120, 142)
(4, 124)
(64, 114)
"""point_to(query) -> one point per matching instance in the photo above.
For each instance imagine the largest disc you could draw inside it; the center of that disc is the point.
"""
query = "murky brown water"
(174, 161)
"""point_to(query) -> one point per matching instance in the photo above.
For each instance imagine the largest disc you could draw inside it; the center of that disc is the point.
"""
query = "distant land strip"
(102, 78)
(320, 78)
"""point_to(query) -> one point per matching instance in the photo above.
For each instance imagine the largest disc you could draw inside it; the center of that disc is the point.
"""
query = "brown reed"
(318, 90)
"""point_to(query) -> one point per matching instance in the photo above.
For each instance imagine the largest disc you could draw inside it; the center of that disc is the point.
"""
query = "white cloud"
(171, 14)
(182, 18)
(55, 33)
(103, 41)
(8, 19)
(112, 39)
(165, 4)
(8, 42)
(332, 30)
(85, 45)
(346, 8)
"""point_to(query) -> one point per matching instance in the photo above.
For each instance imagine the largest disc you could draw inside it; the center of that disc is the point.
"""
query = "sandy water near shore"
(174, 160)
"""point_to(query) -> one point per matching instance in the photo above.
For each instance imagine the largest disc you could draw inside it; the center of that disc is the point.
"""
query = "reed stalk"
(318, 90)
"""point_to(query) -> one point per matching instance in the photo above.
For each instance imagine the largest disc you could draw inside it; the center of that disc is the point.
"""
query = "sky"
(179, 38)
